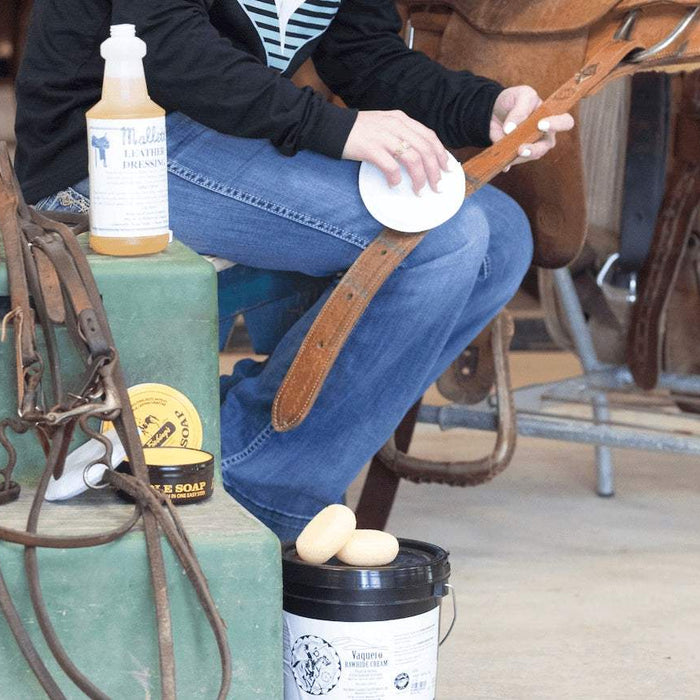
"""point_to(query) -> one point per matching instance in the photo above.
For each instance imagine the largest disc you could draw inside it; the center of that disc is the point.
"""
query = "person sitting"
(264, 173)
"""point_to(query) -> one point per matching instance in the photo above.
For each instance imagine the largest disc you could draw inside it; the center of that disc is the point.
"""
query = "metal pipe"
(582, 432)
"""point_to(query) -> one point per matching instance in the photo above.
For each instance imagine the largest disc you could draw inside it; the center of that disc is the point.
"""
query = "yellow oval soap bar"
(325, 534)
(369, 548)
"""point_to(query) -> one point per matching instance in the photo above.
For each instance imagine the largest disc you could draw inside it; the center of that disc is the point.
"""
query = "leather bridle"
(47, 269)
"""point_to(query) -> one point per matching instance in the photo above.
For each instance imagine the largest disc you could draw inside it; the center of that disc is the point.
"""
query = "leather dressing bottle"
(127, 155)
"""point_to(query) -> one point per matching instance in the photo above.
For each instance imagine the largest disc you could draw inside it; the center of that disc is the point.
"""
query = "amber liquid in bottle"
(125, 98)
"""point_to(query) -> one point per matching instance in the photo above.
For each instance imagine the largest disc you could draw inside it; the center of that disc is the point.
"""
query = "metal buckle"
(606, 287)
(623, 33)
(625, 29)
(98, 398)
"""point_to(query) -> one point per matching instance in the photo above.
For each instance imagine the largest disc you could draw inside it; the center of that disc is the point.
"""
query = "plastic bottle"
(127, 155)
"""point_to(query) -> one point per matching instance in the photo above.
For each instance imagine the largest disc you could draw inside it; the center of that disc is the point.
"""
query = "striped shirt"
(285, 26)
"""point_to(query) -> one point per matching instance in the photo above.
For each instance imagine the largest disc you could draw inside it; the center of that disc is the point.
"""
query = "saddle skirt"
(549, 17)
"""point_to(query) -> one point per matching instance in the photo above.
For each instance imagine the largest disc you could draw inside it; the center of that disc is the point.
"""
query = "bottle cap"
(122, 44)
(122, 30)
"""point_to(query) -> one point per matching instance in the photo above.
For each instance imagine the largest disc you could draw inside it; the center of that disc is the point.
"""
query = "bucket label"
(361, 660)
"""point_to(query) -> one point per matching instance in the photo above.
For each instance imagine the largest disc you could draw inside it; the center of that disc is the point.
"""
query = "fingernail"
(526, 153)
(543, 125)
(506, 169)
(509, 127)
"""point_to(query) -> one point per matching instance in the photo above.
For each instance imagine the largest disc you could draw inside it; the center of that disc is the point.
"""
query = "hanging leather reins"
(33, 241)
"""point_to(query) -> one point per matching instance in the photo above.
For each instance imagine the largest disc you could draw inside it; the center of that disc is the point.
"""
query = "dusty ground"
(562, 594)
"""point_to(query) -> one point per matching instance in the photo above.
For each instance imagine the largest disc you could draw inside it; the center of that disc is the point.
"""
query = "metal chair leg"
(589, 360)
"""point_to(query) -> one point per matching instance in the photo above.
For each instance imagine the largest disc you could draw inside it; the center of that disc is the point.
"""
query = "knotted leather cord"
(103, 395)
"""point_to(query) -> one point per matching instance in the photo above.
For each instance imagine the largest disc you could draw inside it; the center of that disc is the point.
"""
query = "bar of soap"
(369, 548)
(325, 534)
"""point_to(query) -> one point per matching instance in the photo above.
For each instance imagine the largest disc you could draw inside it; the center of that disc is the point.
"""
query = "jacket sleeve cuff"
(330, 131)
(478, 119)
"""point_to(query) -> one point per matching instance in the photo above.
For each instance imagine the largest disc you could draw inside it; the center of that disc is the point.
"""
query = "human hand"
(388, 139)
(513, 106)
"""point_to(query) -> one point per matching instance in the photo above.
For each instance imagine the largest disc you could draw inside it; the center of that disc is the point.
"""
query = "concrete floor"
(562, 594)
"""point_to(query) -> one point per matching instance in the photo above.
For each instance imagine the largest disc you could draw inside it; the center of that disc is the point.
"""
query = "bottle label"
(375, 660)
(128, 177)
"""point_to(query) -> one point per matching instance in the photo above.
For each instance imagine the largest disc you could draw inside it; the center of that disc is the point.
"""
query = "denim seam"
(185, 173)
(486, 267)
(46, 203)
(70, 197)
(254, 446)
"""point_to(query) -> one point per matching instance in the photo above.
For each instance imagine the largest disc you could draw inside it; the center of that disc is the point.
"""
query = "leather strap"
(658, 276)
(338, 317)
(50, 288)
(472, 373)
(645, 167)
(16, 277)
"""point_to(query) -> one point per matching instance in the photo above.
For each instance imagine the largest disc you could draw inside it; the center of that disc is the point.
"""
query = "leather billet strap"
(333, 325)
(674, 225)
(645, 167)
(659, 274)
(338, 317)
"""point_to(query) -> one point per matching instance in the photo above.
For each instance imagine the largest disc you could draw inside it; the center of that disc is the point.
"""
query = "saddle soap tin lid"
(164, 416)
(401, 209)
(183, 474)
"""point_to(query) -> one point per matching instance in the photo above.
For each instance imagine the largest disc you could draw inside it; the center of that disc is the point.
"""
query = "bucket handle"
(451, 590)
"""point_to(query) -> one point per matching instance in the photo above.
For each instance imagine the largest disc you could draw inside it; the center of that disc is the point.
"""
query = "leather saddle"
(542, 43)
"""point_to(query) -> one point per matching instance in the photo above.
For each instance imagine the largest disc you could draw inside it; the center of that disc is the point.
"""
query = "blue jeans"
(240, 199)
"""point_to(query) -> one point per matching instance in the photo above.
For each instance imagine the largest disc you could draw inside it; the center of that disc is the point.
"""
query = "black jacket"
(222, 63)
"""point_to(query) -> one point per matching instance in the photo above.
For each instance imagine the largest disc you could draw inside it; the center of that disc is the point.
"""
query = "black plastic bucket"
(363, 633)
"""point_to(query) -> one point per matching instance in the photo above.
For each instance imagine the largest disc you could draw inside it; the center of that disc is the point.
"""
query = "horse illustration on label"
(100, 144)
(315, 664)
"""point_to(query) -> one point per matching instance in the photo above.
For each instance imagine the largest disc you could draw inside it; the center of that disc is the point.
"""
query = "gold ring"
(403, 147)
